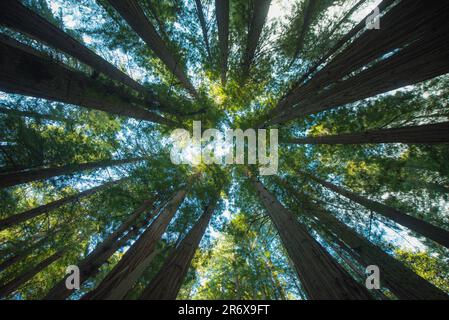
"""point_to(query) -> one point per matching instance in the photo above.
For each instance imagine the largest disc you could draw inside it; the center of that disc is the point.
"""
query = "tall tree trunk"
(15, 284)
(166, 284)
(32, 213)
(259, 15)
(428, 134)
(124, 275)
(131, 11)
(91, 264)
(199, 10)
(222, 13)
(26, 71)
(402, 281)
(15, 15)
(307, 21)
(25, 176)
(320, 276)
(422, 227)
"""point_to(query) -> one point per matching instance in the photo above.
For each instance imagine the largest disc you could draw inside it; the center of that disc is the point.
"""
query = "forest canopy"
(91, 90)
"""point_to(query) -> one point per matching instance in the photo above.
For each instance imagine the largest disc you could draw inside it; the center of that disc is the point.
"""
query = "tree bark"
(166, 284)
(26, 71)
(131, 11)
(421, 227)
(199, 10)
(91, 264)
(222, 13)
(17, 282)
(259, 16)
(25, 176)
(320, 276)
(124, 275)
(428, 134)
(308, 18)
(32, 213)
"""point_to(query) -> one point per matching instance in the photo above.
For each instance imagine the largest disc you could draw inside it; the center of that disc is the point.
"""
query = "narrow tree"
(46, 208)
(26, 71)
(222, 13)
(25, 176)
(199, 10)
(131, 11)
(259, 15)
(422, 227)
(320, 276)
(21, 279)
(428, 134)
(124, 275)
(166, 284)
(91, 264)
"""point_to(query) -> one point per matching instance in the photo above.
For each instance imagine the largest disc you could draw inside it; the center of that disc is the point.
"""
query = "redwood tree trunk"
(26, 71)
(15, 284)
(199, 10)
(424, 228)
(25, 176)
(166, 284)
(91, 264)
(222, 13)
(429, 133)
(32, 213)
(259, 16)
(320, 276)
(131, 11)
(138, 257)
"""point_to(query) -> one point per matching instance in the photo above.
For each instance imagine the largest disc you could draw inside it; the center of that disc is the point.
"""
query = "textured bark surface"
(320, 276)
(259, 15)
(166, 284)
(91, 264)
(222, 13)
(15, 178)
(138, 257)
(428, 134)
(422, 227)
(135, 17)
(25, 71)
(21, 279)
(32, 213)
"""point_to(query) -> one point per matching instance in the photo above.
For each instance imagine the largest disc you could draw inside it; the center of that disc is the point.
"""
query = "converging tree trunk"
(131, 11)
(25, 71)
(422, 227)
(428, 134)
(222, 13)
(134, 262)
(21, 279)
(320, 276)
(32, 213)
(166, 284)
(259, 15)
(199, 10)
(25, 176)
(91, 264)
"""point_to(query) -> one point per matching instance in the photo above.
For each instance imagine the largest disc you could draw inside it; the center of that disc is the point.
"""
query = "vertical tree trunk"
(32, 213)
(91, 264)
(15, 178)
(199, 10)
(15, 284)
(222, 13)
(320, 276)
(307, 21)
(260, 12)
(166, 284)
(422, 227)
(131, 11)
(25, 71)
(134, 262)
(428, 133)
